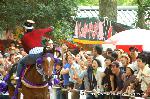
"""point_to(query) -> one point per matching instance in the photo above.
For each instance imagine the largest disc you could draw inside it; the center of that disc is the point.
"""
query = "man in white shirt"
(144, 72)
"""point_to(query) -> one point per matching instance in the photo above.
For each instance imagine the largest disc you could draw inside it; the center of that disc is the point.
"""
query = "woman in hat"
(128, 77)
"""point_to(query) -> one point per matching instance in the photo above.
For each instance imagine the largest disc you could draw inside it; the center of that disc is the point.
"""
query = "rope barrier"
(83, 94)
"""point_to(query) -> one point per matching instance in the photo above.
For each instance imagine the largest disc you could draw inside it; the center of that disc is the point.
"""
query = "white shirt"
(135, 67)
(102, 60)
(99, 77)
(71, 72)
(36, 50)
(144, 75)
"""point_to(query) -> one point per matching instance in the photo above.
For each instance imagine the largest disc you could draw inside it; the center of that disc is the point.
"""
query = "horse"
(35, 78)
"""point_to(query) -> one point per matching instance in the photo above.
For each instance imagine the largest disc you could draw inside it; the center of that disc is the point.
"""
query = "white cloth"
(102, 60)
(99, 77)
(135, 67)
(36, 50)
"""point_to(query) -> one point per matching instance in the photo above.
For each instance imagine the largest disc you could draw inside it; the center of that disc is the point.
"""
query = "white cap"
(31, 21)
(28, 24)
(131, 66)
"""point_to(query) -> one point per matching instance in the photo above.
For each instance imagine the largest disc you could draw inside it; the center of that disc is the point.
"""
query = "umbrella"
(132, 37)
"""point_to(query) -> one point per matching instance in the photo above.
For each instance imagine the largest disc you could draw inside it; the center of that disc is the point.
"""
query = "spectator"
(65, 71)
(22, 52)
(91, 77)
(118, 76)
(97, 53)
(115, 56)
(91, 80)
(128, 77)
(7, 62)
(133, 55)
(80, 75)
(18, 57)
(12, 58)
(107, 81)
(74, 68)
(2, 71)
(125, 60)
(78, 58)
(109, 51)
(144, 71)
(98, 73)
(119, 52)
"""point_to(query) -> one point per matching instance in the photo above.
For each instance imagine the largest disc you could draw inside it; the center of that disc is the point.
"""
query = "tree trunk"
(108, 8)
(141, 13)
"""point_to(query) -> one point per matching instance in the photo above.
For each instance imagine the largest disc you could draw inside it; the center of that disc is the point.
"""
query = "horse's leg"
(11, 90)
(27, 94)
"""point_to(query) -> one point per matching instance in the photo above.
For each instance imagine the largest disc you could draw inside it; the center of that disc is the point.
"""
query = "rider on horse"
(32, 44)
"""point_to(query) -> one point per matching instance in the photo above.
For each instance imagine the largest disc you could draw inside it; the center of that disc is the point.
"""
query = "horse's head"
(46, 64)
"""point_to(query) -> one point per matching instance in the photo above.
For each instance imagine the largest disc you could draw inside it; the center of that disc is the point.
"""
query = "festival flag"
(76, 30)
(109, 34)
(101, 33)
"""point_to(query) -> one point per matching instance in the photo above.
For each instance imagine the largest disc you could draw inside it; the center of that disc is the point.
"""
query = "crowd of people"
(113, 71)
(99, 71)
(9, 57)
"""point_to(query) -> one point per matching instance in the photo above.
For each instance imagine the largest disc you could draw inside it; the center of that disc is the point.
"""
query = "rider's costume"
(32, 44)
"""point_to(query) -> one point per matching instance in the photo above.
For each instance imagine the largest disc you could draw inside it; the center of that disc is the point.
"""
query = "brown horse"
(34, 83)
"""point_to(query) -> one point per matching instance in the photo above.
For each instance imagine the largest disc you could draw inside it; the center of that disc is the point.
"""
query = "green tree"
(88, 2)
(44, 12)
(96, 2)
(126, 2)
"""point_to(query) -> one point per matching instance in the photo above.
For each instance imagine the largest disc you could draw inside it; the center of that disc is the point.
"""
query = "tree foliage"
(57, 13)
(96, 2)
(126, 2)
(143, 13)
(88, 2)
